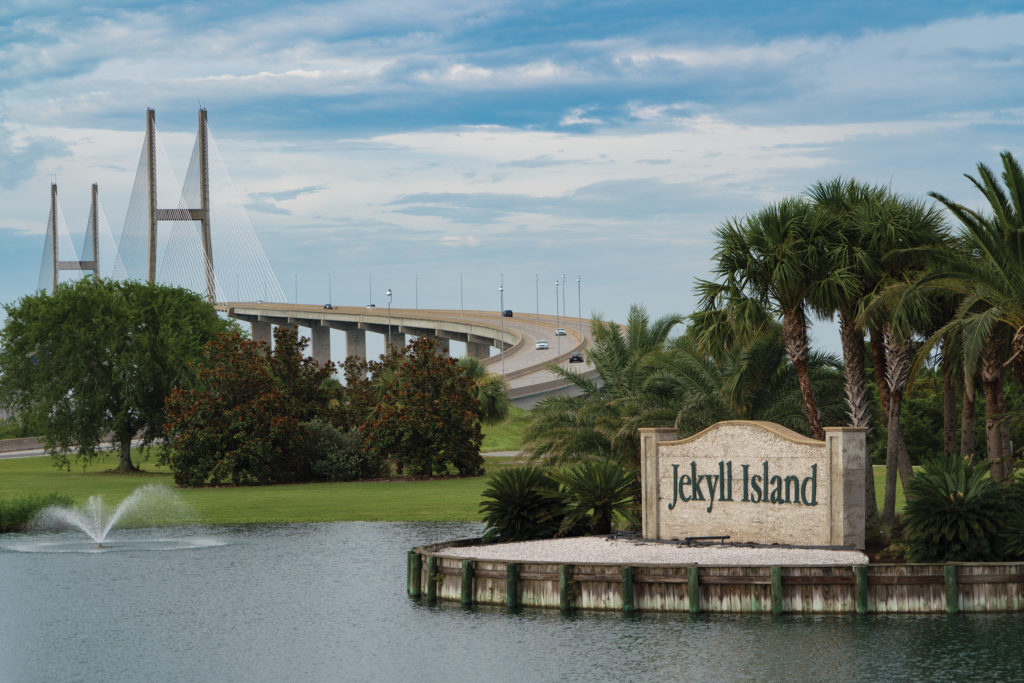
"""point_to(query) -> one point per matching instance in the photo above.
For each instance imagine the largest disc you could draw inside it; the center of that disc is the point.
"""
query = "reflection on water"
(325, 602)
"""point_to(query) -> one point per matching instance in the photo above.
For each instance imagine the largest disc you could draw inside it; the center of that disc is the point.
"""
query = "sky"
(441, 148)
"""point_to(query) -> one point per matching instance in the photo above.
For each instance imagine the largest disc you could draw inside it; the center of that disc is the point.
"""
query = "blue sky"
(417, 140)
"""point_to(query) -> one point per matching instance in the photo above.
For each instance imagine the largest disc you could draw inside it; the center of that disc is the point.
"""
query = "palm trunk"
(897, 371)
(879, 362)
(948, 407)
(794, 332)
(892, 449)
(995, 412)
(852, 336)
(968, 419)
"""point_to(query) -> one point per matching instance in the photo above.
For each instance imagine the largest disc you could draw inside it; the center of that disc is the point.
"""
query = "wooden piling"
(952, 593)
(776, 573)
(431, 578)
(565, 602)
(415, 568)
(860, 574)
(693, 588)
(627, 590)
(467, 582)
(512, 585)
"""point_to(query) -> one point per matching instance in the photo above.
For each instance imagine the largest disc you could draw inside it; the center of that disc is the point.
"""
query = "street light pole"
(329, 302)
(579, 304)
(564, 309)
(388, 292)
(501, 313)
(417, 291)
(558, 340)
(462, 306)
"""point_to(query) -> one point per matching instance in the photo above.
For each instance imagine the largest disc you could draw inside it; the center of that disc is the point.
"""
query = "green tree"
(416, 409)
(491, 391)
(773, 258)
(246, 419)
(98, 358)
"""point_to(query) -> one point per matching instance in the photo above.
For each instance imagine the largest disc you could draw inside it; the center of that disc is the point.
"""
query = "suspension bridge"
(186, 232)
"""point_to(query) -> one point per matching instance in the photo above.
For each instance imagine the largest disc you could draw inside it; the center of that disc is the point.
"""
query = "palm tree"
(603, 418)
(989, 275)
(491, 391)
(771, 257)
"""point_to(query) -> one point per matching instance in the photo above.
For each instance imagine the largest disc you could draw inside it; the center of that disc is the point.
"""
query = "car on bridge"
(542, 344)
(507, 313)
(575, 357)
(560, 332)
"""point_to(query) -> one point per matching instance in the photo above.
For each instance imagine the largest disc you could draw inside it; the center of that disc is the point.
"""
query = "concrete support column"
(321, 337)
(478, 350)
(261, 331)
(355, 342)
(443, 347)
(397, 339)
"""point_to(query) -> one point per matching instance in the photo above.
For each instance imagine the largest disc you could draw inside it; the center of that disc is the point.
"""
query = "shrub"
(953, 513)
(598, 491)
(1012, 532)
(336, 455)
(15, 514)
(520, 504)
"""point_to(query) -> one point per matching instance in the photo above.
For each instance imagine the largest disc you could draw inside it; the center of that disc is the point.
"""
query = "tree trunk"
(995, 412)
(897, 370)
(852, 336)
(968, 419)
(879, 362)
(794, 332)
(125, 444)
(892, 449)
(948, 407)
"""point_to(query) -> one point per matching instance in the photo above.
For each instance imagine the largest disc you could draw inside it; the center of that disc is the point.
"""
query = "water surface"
(326, 602)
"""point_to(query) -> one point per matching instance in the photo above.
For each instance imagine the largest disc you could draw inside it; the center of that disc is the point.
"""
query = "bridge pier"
(443, 346)
(321, 342)
(478, 347)
(261, 331)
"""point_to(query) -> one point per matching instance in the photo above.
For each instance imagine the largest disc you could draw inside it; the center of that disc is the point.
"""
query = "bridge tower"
(58, 265)
(201, 214)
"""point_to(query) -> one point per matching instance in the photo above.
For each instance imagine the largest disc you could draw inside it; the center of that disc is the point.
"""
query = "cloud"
(20, 156)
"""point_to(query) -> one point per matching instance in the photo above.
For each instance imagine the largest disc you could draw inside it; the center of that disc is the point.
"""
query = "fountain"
(148, 506)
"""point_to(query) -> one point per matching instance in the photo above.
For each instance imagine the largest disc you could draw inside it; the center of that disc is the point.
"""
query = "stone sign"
(755, 482)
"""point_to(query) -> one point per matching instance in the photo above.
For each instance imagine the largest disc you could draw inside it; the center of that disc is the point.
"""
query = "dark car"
(576, 357)
(507, 313)
(328, 307)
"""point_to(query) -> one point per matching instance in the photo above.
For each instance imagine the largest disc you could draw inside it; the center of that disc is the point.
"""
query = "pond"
(327, 602)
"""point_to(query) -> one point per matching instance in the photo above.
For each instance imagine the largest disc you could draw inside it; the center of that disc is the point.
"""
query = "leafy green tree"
(247, 418)
(416, 409)
(98, 358)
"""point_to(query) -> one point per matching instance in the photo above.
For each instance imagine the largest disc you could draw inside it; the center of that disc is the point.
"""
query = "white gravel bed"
(605, 550)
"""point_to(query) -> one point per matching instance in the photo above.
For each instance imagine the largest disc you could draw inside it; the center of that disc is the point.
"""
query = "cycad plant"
(954, 512)
(597, 491)
(520, 504)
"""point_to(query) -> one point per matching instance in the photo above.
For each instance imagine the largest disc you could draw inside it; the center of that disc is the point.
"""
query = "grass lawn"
(507, 435)
(442, 500)
(439, 500)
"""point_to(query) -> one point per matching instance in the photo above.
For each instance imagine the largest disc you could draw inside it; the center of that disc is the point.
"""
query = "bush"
(953, 513)
(1012, 533)
(598, 491)
(520, 504)
(15, 514)
(336, 455)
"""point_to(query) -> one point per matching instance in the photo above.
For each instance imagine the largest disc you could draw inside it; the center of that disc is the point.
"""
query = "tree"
(98, 358)
(772, 257)
(603, 418)
(416, 409)
(246, 419)
(491, 391)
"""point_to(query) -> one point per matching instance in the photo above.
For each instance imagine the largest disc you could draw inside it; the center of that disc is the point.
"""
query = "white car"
(560, 332)
(542, 345)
